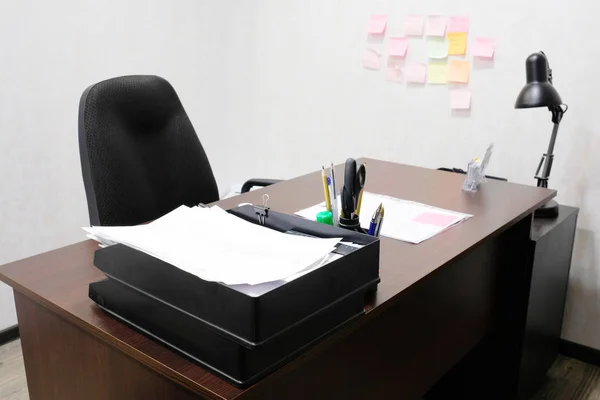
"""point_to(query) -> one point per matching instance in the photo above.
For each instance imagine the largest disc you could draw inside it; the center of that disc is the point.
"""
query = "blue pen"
(373, 224)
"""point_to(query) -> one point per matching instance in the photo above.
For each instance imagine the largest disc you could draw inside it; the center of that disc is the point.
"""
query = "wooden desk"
(436, 301)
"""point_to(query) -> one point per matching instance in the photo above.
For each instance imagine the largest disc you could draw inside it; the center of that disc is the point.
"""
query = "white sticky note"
(437, 48)
(372, 59)
(413, 25)
(460, 99)
(436, 26)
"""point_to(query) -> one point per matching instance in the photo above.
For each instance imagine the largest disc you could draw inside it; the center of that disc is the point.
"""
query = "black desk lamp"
(539, 92)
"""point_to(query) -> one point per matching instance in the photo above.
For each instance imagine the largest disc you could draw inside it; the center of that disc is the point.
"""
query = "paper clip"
(262, 212)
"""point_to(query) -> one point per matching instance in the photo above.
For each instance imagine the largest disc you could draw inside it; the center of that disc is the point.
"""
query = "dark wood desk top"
(59, 279)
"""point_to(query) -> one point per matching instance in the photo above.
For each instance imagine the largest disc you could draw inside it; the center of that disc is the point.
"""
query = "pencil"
(326, 189)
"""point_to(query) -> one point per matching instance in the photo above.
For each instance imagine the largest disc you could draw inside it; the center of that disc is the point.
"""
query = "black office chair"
(140, 155)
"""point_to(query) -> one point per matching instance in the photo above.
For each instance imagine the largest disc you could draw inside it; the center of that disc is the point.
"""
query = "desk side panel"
(63, 361)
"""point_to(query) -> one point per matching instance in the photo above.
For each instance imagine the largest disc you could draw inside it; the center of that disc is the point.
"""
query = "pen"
(373, 224)
(325, 189)
(334, 203)
(380, 222)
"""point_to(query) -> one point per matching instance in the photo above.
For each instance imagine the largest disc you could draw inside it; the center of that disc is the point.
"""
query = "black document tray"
(237, 363)
(252, 320)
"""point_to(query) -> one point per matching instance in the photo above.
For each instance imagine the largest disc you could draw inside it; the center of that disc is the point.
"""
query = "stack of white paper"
(217, 246)
(404, 220)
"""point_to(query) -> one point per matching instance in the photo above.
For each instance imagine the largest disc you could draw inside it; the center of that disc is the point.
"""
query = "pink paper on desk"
(372, 59)
(436, 26)
(458, 24)
(398, 46)
(460, 99)
(484, 48)
(377, 24)
(413, 25)
(431, 218)
(415, 73)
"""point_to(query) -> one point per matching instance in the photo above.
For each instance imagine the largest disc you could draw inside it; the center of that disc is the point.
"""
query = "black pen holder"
(352, 224)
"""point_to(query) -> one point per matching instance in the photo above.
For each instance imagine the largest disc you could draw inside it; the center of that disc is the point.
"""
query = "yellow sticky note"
(458, 71)
(437, 73)
(458, 43)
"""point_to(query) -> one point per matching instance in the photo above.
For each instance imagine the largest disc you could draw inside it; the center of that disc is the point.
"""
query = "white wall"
(51, 51)
(283, 81)
(298, 94)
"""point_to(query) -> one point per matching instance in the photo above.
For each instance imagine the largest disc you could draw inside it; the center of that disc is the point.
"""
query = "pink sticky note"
(372, 59)
(413, 25)
(377, 24)
(458, 24)
(460, 99)
(415, 73)
(431, 218)
(436, 26)
(398, 46)
(484, 48)
(393, 74)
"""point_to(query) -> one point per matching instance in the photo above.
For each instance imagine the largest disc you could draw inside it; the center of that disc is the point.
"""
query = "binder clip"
(262, 212)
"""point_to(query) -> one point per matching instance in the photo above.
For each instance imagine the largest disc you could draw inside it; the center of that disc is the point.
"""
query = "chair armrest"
(249, 184)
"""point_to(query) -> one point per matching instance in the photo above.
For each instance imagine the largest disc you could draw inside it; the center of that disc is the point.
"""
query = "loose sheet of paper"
(404, 220)
(460, 99)
(484, 48)
(458, 44)
(398, 46)
(372, 59)
(377, 24)
(413, 25)
(217, 246)
(458, 71)
(437, 48)
(415, 73)
(458, 24)
(437, 73)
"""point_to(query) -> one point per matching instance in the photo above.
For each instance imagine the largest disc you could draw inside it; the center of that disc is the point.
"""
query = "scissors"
(354, 182)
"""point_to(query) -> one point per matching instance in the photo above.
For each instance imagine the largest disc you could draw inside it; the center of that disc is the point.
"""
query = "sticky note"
(372, 59)
(458, 71)
(393, 74)
(377, 24)
(413, 25)
(398, 46)
(437, 48)
(431, 218)
(415, 73)
(457, 43)
(484, 48)
(436, 26)
(458, 24)
(460, 99)
(437, 73)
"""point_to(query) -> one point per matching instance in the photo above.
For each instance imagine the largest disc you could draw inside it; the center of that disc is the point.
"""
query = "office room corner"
(362, 199)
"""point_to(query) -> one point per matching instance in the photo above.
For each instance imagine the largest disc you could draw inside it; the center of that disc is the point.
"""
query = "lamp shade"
(538, 92)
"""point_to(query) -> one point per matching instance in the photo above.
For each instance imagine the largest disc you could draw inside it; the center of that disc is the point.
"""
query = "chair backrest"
(140, 155)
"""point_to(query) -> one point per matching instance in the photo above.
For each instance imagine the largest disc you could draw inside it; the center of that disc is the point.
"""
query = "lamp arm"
(548, 157)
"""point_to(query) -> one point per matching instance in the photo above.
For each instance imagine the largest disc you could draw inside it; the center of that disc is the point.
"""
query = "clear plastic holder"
(476, 171)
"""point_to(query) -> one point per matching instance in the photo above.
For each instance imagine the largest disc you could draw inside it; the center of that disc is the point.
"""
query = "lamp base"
(548, 210)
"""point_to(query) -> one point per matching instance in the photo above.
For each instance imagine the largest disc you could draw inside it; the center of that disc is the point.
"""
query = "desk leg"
(63, 362)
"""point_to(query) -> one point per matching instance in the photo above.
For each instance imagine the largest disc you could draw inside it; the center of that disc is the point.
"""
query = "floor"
(13, 385)
(567, 380)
